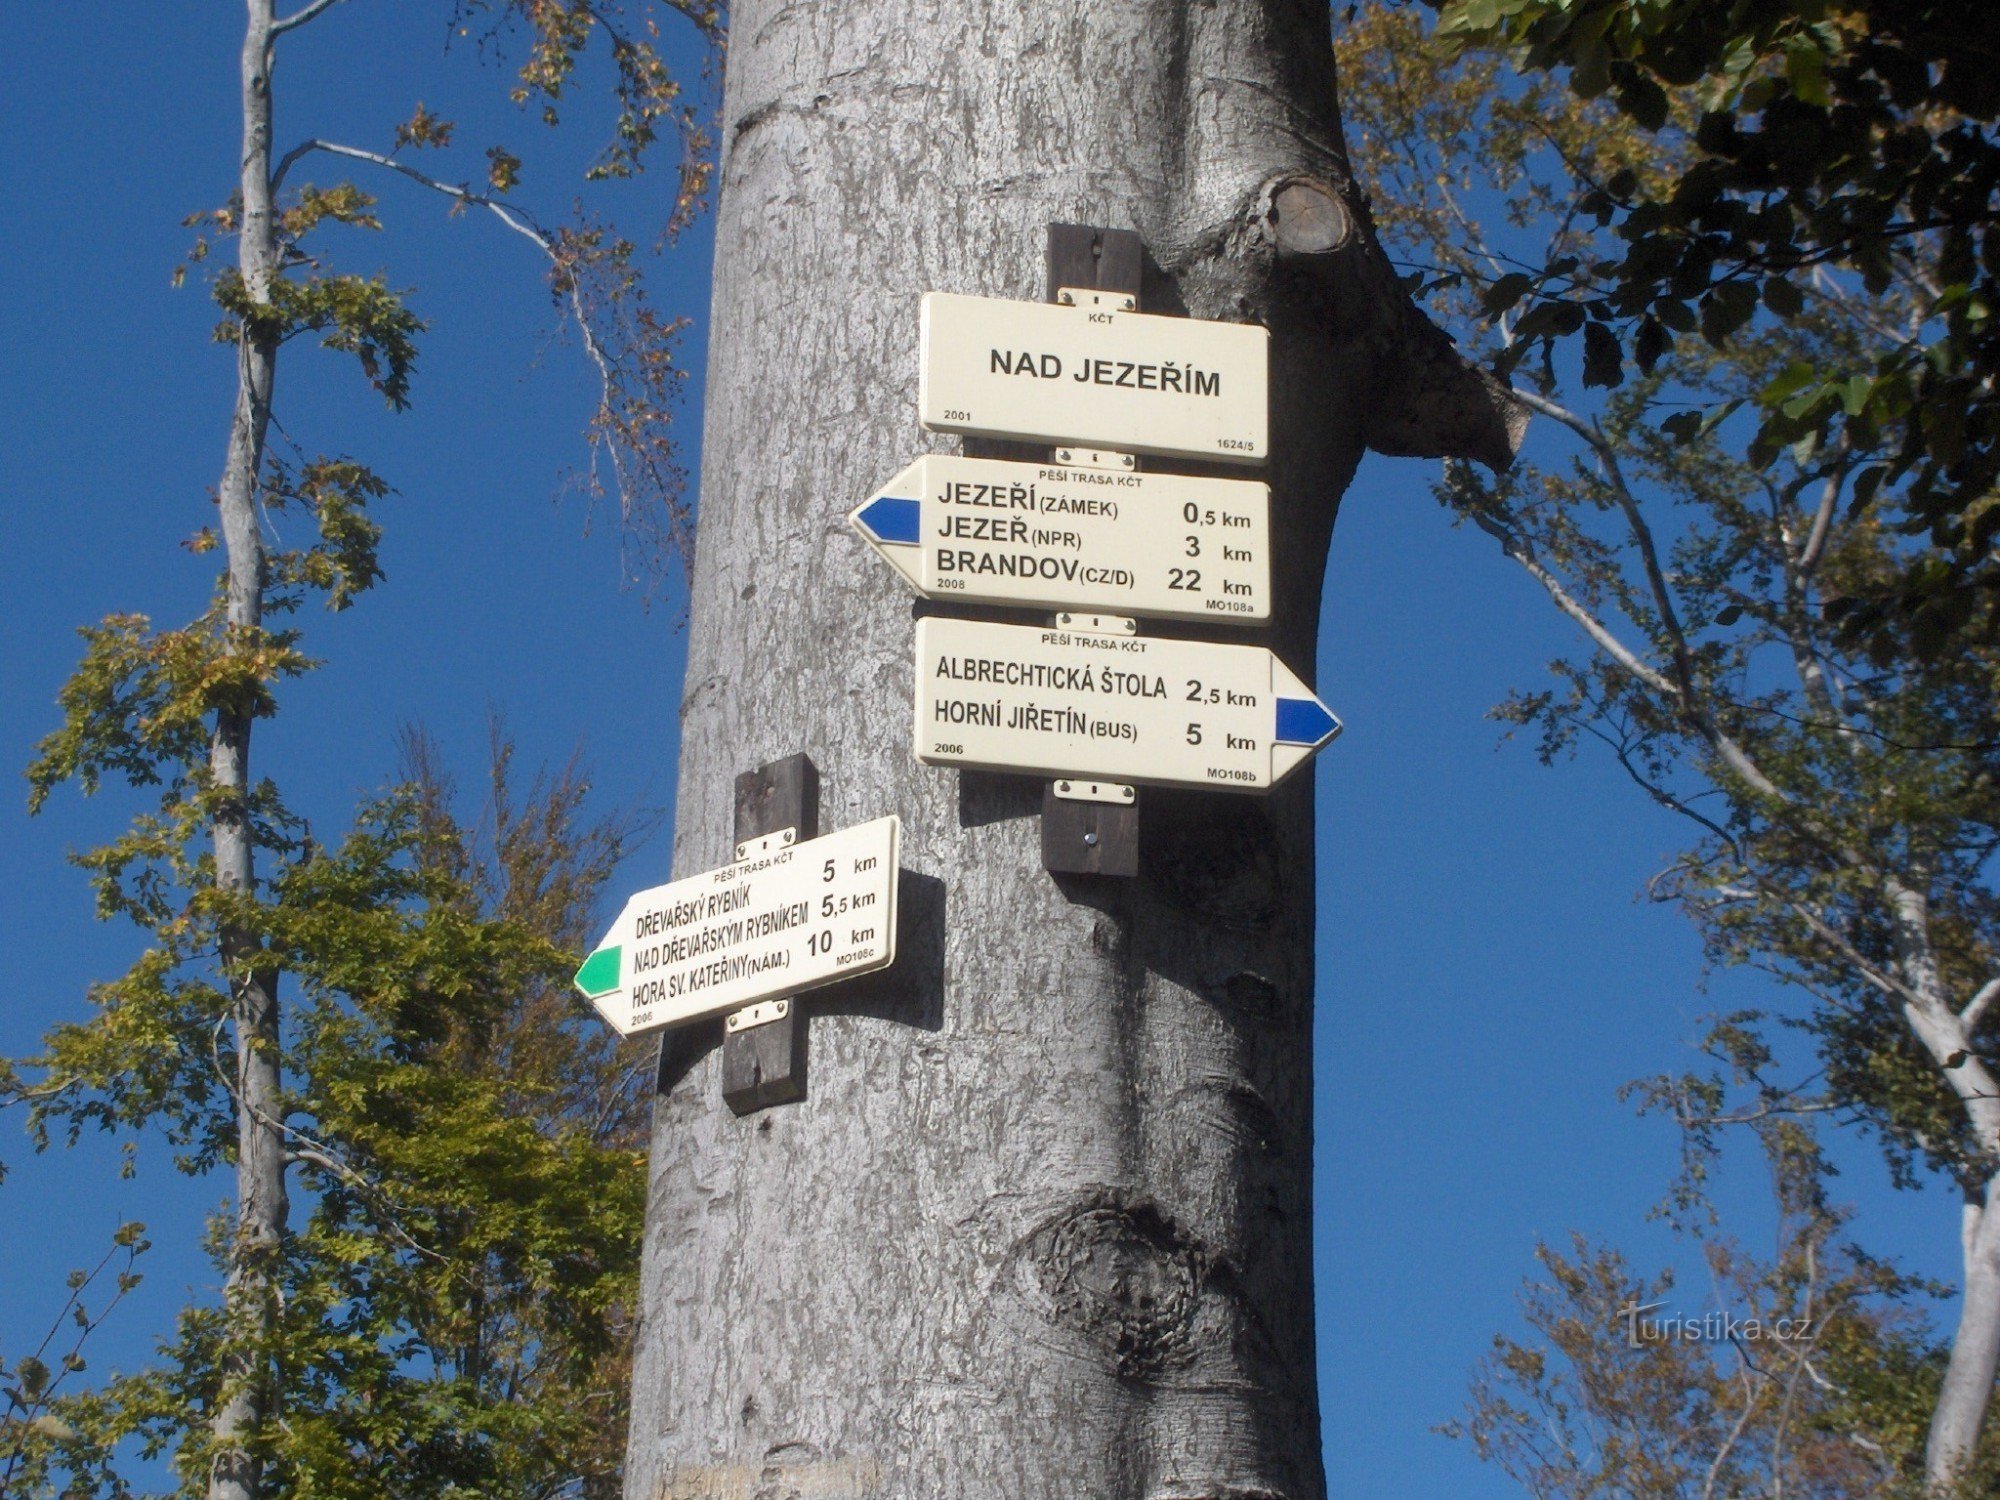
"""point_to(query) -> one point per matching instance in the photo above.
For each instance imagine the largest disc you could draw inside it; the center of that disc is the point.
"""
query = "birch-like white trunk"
(250, 1308)
(1967, 1392)
(1042, 1227)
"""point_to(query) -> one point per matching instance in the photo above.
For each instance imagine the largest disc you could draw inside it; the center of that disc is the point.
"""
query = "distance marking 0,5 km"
(771, 925)
(1129, 381)
(1061, 702)
(994, 532)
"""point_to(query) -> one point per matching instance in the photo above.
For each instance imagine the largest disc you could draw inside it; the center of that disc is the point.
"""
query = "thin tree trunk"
(1042, 1226)
(250, 1297)
(1967, 1391)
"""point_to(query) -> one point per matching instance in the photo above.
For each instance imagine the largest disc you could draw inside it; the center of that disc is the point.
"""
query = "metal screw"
(1091, 839)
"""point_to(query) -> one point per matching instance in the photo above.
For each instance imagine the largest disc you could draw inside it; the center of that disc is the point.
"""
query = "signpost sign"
(1080, 703)
(1089, 375)
(776, 923)
(992, 532)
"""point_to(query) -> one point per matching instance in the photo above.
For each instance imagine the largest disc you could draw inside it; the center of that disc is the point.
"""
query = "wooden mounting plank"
(766, 1065)
(1091, 838)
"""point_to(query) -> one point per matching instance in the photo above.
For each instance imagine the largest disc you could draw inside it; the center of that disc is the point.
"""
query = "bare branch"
(300, 16)
(1888, 984)
(1664, 797)
(1562, 415)
(1656, 582)
(1742, 1423)
(1733, 755)
(1521, 552)
(514, 217)
(1822, 523)
(571, 286)
(1976, 1008)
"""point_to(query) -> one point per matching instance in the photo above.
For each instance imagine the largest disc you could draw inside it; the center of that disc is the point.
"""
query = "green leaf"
(1644, 100)
(1788, 382)
(1504, 293)
(1603, 361)
(1805, 70)
(1782, 297)
(1727, 307)
(33, 1378)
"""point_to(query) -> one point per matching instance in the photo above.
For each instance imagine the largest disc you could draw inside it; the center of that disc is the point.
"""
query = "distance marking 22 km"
(994, 532)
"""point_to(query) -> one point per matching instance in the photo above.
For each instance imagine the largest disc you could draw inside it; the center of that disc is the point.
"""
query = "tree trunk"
(1967, 1389)
(1042, 1225)
(1975, 1347)
(243, 1408)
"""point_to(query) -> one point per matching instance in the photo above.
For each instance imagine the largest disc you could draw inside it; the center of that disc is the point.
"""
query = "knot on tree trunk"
(1306, 217)
(1116, 1269)
(1429, 401)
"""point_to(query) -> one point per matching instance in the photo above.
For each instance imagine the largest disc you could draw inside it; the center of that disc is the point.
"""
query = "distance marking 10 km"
(777, 923)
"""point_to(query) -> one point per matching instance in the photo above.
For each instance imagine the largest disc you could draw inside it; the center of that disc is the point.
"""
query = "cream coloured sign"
(1109, 704)
(773, 924)
(1109, 540)
(1127, 381)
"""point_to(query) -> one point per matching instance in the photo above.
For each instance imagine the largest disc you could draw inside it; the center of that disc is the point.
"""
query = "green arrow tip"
(598, 974)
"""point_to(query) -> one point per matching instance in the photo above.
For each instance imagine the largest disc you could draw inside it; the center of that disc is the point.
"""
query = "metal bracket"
(1083, 296)
(1098, 624)
(1096, 458)
(1113, 792)
(765, 1011)
(769, 843)
(761, 1014)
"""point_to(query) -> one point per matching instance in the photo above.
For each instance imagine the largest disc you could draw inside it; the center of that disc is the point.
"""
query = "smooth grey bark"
(235, 1472)
(1967, 1390)
(1042, 1225)
(1966, 1393)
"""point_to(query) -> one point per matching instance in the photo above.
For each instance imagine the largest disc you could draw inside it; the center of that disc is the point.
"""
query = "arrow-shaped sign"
(774, 924)
(1069, 702)
(1107, 540)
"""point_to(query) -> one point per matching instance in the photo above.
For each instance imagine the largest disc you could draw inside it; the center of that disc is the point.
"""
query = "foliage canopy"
(1833, 154)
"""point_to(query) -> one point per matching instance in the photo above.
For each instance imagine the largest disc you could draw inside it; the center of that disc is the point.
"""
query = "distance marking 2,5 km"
(770, 925)
(1076, 703)
(989, 531)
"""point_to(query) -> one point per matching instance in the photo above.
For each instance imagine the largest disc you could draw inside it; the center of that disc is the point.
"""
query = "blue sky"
(1488, 975)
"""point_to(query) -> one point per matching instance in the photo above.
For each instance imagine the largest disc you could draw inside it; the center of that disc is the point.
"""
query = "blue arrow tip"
(888, 519)
(1305, 721)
